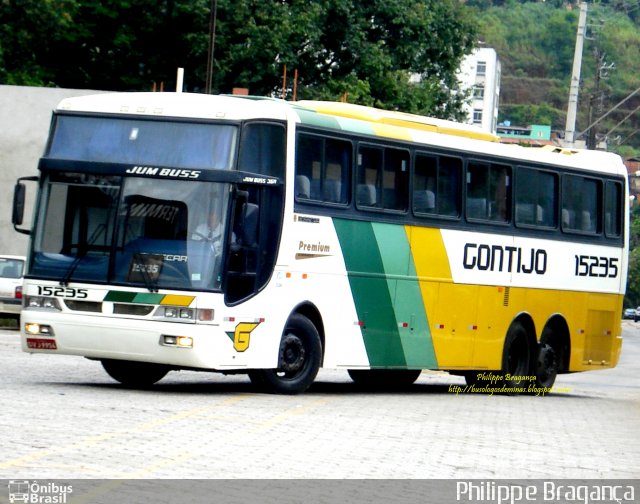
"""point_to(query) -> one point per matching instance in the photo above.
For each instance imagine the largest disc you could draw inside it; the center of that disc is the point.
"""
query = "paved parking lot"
(65, 418)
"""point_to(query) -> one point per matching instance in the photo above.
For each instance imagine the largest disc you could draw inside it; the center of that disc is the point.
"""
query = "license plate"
(41, 344)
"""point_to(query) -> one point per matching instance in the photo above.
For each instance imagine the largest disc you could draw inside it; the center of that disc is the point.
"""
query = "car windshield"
(11, 268)
(131, 231)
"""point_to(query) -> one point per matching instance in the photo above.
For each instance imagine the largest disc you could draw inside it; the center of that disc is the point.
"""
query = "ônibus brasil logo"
(38, 493)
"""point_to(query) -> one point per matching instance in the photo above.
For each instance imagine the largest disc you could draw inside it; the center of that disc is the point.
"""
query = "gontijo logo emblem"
(241, 337)
(34, 492)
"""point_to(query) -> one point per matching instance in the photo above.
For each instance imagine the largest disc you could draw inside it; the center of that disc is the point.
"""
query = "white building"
(480, 73)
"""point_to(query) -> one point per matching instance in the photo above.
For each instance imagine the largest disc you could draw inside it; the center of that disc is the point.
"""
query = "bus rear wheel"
(546, 366)
(134, 374)
(298, 360)
(386, 378)
(516, 357)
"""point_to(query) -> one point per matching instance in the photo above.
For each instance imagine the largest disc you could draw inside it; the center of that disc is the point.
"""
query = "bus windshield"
(128, 231)
(164, 143)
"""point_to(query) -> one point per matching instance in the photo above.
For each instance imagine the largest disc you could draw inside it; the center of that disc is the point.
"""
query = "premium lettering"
(314, 247)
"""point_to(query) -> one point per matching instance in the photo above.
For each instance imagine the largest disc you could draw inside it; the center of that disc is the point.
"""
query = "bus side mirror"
(19, 196)
(19, 192)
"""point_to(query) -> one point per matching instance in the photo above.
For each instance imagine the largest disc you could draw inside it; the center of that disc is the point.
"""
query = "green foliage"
(625, 151)
(28, 31)
(364, 49)
(528, 114)
(536, 41)
(542, 49)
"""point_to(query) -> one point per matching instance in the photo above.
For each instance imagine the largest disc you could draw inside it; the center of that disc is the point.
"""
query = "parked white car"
(11, 273)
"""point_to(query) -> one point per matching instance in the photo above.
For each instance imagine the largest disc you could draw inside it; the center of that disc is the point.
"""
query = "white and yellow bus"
(245, 235)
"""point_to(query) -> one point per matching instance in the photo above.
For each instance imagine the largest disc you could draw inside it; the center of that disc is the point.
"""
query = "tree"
(364, 49)
(29, 29)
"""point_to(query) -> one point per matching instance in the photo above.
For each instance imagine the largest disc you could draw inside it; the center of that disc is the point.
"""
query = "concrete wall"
(25, 116)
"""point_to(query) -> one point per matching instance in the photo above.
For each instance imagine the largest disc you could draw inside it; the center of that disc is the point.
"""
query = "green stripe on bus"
(337, 123)
(348, 124)
(315, 119)
(148, 298)
(406, 296)
(371, 294)
(120, 296)
(133, 297)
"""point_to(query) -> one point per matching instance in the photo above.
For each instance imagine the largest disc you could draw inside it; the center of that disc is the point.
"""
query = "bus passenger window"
(337, 171)
(580, 204)
(323, 169)
(488, 191)
(368, 177)
(395, 182)
(382, 178)
(613, 210)
(424, 184)
(449, 186)
(536, 196)
(436, 185)
(477, 190)
(308, 167)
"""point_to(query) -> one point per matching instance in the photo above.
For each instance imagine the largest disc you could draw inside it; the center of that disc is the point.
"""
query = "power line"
(623, 120)
(608, 112)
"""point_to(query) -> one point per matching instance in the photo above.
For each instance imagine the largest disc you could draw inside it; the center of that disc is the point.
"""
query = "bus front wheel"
(298, 359)
(134, 374)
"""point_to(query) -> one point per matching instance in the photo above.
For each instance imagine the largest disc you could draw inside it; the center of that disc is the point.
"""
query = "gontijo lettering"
(510, 259)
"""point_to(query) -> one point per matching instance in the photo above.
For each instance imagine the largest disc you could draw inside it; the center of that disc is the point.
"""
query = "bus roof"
(188, 105)
(401, 119)
(340, 116)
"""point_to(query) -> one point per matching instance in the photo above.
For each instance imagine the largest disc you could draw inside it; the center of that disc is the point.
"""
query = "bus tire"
(472, 378)
(386, 378)
(134, 374)
(516, 357)
(547, 363)
(298, 359)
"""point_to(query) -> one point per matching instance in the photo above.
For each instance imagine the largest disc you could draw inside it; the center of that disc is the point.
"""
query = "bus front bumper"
(182, 345)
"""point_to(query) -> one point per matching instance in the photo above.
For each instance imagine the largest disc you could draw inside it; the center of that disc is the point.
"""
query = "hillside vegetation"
(535, 42)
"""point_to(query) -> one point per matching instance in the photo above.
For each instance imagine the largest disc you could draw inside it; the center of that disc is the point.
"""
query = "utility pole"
(595, 102)
(213, 15)
(570, 127)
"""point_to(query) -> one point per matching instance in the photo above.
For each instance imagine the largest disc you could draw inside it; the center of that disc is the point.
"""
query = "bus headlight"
(176, 313)
(38, 329)
(177, 341)
(42, 303)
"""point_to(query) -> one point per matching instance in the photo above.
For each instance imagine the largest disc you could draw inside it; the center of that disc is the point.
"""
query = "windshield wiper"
(92, 240)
